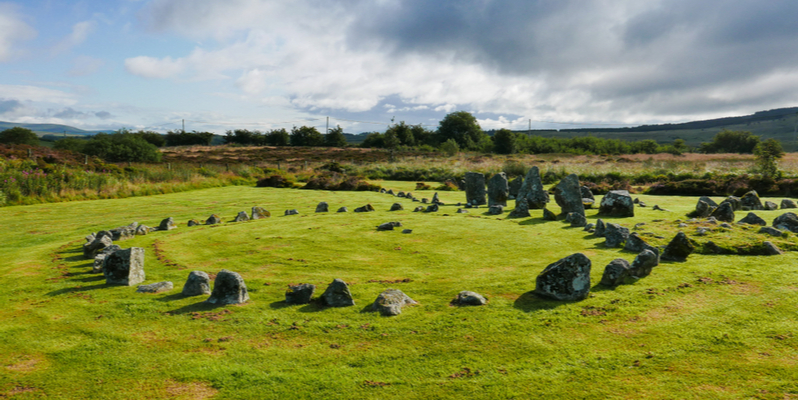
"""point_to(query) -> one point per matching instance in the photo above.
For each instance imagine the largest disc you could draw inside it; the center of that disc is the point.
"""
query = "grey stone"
(753, 219)
(617, 203)
(786, 203)
(198, 283)
(770, 206)
(521, 210)
(229, 288)
(703, 209)
(495, 210)
(396, 207)
(600, 228)
(566, 279)
(727, 225)
(636, 244)
(383, 190)
(124, 267)
(787, 221)
(158, 287)
(259, 213)
(424, 200)
(711, 220)
(435, 199)
(468, 298)
(142, 230)
(300, 294)
(657, 208)
(531, 195)
(99, 259)
(587, 203)
(751, 200)
(724, 212)
(419, 208)
(475, 188)
(390, 191)
(100, 242)
(337, 295)
(213, 219)
(321, 207)
(341, 210)
(709, 201)
(770, 231)
(291, 212)
(241, 217)
(498, 190)
(735, 202)
(589, 228)
(124, 232)
(682, 225)
(702, 231)
(576, 220)
(365, 208)
(406, 231)
(389, 226)
(548, 215)
(461, 211)
(615, 235)
(514, 186)
(167, 224)
(432, 208)
(193, 222)
(568, 195)
(678, 248)
(643, 264)
(586, 193)
(391, 302)
(615, 272)
(771, 250)
(401, 194)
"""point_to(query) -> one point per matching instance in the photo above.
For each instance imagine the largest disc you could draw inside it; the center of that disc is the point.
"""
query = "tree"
(19, 135)
(462, 127)
(450, 147)
(183, 138)
(505, 142)
(374, 140)
(767, 154)
(277, 137)
(731, 142)
(390, 139)
(120, 147)
(306, 136)
(335, 137)
(153, 138)
(647, 146)
(403, 133)
(72, 144)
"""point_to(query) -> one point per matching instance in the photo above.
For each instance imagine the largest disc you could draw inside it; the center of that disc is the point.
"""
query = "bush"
(276, 181)
(448, 186)
(19, 135)
(121, 147)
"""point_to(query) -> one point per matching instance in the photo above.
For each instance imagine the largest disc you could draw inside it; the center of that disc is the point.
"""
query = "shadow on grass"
(602, 288)
(93, 278)
(277, 305)
(196, 307)
(173, 297)
(530, 301)
(75, 258)
(533, 221)
(76, 289)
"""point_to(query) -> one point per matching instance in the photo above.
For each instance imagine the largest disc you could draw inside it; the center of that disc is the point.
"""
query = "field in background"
(714, 327)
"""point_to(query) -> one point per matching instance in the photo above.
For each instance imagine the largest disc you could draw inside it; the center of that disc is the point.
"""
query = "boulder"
(589, 228)
(678, 248)
(341, 210)
(213, 219)
(548, 215)
(406, 231)
(568, 195)
(389, 226)
(576, 220)
(432, 208)
(124, 267)
(770, 206)
(291, 212)
(467, 298)
(229, 288)
(617, 203)
(587, 203)
(498, 190)
(636, 244)
(770, 231)
(615, 272)
(142, 230)
(321, 207)
(391, 301)
(419, 208)
(300, 294)
(600, 228)
(521, 210)
(390, 191)
(586, 193)
(383, 190)
(709, 201)
(724, 212)
(771, 250)
(241, 217)
(337, 295)
(495, 210)
(424, 200)
(643, 264)
(786, 203)
(461, 211)
(475, 188)
(752, 219)
(531, 194)
(735, 202)
(751, 200)
(396, 207)
(566, 279)
(787, 221)
(197, 284)
(615, 235)
(259, 213)
(99, 259)
(514, 186)
(158, 287)
(167, 224)
(193, 222)
(100, 242)
(124, 232)
(401, 194)
(702, 209)
(365, 208)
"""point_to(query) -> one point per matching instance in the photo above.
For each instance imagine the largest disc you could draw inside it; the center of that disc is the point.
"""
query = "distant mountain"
(50, 129)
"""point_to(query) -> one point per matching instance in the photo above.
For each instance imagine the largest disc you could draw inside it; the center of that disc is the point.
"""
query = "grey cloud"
(102, 114)
(9, 105)
(69, 113)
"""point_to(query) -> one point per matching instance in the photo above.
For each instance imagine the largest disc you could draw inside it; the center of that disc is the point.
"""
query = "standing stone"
(258, 213)
(476, 188)
(100, 242)
(702, 209)
(213, 219)
(615, 235)
(322, 207)
(615, 272)
(678, 248)
(513, 187)
(600, 228)
(786, 221)
(229, 288)
(158, 287)
(532, 194)
(341, 210)
(396, 207)
(735, 202)
(568, 195)
(616, 203)
(468, 298)
(576, 220)
(241, 217)
(786, 203)
(124, 267)
(391, 301)
(521, 210)
(566, 279)
(495, 210)
(498, 190)
(197, 284)
(724, 212)
(167, 225)
(752, 201)
(99, 259)
(435, 199)
(338, 295)
(708, 201)
(390, 191)
(643, 264)
(752, 219)
(300, 294)
(548, 215)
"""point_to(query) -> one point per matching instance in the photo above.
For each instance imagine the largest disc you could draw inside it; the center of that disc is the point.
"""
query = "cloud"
(12, 31)
(37, 94)
(69, 113)
(103, 114)
(7, 106)
(149, 67)
(80, 32)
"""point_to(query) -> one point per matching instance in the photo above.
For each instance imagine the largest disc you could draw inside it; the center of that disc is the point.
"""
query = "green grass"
(730, 333)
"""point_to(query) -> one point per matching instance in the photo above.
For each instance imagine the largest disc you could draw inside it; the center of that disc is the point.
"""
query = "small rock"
(213, 219)
(576, 220)
(391, 301)
(615, 235)
(548, 215)
(787, 221)
(388, 226)
(600, 228)
(615, 272)
(724, 212)
(770, 231)
(678, 248)
(432, 208)
(589, 227)
(193, 222)
(770, 206)
(259, 213)
(229, 288)
(467, 298)
(342, 210)
(337, 295)
(461, 211)
(396, 207)
(197, 284)
(406, 231)
(321, 207)
(495, 210)
(419, 208)
(643, 264)
(300, 294)
(753, 219)
(241, 217)
(158, 287)
(771, 250)
(291, 212)
(786, 203)
(167, 224)
(365, 208)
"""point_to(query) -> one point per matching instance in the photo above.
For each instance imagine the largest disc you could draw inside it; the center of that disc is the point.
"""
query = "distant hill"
(51, 129)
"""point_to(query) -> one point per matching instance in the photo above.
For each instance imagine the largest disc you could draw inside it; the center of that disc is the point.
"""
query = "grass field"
(714, 327)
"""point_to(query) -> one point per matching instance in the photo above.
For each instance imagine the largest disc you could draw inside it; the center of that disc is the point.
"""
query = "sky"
(365, 64)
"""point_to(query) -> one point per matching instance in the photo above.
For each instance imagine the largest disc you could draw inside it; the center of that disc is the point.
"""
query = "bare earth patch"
(189, 390)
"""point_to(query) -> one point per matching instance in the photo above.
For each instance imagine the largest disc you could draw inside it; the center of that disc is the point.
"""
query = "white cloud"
(12, 31)
(37, 94)
(149, 67)
(80, 32)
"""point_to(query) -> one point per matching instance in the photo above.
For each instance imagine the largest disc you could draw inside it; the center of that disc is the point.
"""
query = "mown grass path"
(714, 327)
